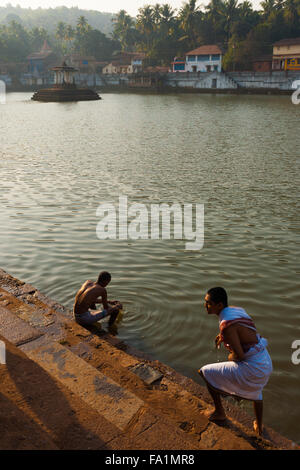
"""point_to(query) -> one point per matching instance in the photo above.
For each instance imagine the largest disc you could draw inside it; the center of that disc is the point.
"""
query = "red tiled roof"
(288, 42)
(44, 52)
(205, 50)
(39, 55)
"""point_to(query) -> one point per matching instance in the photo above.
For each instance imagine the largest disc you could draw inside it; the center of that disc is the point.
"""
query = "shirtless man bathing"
(247, 370)
(90, 294)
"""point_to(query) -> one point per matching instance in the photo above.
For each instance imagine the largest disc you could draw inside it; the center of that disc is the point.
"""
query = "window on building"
(215, 57)
(202, 58)
(191, 58)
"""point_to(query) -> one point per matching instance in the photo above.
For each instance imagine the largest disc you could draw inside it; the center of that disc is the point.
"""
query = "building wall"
(262, 66)
(201, 63)
(270, 80)
(233, 80)
(202, 80)
(287, 50)
(286, 57)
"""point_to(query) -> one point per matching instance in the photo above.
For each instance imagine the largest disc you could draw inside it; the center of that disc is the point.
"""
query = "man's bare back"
(88, 295)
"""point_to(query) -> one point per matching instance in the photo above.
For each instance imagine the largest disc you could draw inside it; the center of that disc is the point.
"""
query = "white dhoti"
(245, 379)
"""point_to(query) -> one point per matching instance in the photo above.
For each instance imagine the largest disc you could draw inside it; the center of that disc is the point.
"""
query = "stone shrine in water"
(64, 88)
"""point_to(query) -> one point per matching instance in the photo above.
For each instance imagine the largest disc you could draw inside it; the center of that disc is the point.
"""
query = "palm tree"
(214, 18)
(229, 13)
(82, 23)
(157, 14)
(146, 25)
(123, 30)
(291, 12)
(189, 16)
(60, 32)
(70, 33)
(268, 7)
(38, 36)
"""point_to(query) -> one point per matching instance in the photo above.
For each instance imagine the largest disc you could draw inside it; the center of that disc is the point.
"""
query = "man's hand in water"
(115, 303)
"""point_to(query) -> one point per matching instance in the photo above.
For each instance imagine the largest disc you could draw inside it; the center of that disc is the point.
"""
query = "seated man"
(249, 364)
(89, 295)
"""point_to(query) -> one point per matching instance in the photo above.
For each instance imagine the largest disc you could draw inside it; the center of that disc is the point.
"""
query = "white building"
(125, 62)
(204, 59)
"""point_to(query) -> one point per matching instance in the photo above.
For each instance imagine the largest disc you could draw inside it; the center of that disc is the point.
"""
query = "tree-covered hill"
(50, 17)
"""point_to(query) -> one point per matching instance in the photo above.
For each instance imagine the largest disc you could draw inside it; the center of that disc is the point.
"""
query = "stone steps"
(43, 413)
(109, 400)
(87, 365)
(66, 404)
(112, 401)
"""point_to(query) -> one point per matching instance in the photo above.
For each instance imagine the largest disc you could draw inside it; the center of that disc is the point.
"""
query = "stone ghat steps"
(76, 406)
(116, 402)
(65, 351)
(42, 407)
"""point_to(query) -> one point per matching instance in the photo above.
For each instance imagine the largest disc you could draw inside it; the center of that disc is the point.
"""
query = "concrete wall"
(233, 80)
(271, 80)
(200, 80)
(281, 80)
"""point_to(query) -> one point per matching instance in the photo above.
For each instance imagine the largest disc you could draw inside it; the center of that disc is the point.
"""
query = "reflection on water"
(239, 155)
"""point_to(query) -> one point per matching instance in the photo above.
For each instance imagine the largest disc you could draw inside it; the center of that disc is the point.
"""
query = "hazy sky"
(111, 6)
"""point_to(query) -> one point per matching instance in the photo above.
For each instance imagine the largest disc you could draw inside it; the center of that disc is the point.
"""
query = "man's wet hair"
(217, 295)
(104, 276)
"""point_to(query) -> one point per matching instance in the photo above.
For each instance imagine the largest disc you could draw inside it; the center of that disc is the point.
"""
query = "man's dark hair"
(104, 276)
(218, 294)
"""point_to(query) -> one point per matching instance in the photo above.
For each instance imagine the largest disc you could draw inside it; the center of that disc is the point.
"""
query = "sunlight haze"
(107, 6)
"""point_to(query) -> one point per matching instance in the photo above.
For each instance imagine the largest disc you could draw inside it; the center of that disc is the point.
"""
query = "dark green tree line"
(241, 31)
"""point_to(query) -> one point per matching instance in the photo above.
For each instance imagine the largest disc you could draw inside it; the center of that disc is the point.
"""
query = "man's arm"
(232, 338)
(103, 299)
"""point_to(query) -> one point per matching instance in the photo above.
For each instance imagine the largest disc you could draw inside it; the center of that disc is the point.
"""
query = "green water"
(238, 155)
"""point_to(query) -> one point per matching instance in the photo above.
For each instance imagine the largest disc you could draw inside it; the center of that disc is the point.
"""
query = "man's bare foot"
(216, 416)
(257, 430)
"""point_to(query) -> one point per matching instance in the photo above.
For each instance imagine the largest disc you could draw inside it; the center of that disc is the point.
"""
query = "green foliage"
(159, 30)
(17, 41)
(241, 31)
(50, 17)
